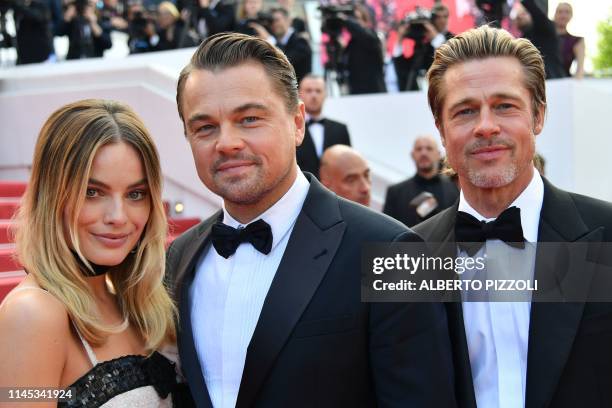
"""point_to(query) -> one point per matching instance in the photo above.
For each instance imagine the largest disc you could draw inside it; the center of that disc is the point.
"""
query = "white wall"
(576, 140)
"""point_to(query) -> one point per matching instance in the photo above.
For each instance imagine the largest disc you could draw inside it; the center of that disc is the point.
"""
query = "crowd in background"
(360, 39)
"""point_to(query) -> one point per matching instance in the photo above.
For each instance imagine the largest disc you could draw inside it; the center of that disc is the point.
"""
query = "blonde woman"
(93, 312)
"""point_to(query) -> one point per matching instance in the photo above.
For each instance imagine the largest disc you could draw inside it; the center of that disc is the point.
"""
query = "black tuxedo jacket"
(316, 344)
(333, 133)
(298, 52)
(569, 360)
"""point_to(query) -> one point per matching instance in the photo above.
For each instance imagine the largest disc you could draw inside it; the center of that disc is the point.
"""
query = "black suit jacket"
(399, 196)
(569, 360)
(298, 52)
(333, 133)
(316, 344)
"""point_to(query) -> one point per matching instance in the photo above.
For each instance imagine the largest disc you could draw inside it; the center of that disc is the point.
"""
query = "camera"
(137, 29)
(416, 24)
(332, 23)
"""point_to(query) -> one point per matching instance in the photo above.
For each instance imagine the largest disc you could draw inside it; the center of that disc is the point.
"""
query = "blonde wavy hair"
(45, 238)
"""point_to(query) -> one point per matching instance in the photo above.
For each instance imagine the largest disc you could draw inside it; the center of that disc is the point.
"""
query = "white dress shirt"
(498, 332)
(317, 134)
(227, 296)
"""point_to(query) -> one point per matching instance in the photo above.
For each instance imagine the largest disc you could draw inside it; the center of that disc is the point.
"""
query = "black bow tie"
(312, 121)
(226, 239)
(470, 234)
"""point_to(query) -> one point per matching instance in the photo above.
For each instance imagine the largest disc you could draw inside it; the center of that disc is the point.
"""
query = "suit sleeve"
(410, 352)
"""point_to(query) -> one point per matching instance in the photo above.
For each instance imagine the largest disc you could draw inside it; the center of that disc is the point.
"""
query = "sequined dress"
(128, 381)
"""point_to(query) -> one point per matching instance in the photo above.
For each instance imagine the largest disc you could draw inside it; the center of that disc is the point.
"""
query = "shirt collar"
(282, 215)
(529, 201)
(286, 37)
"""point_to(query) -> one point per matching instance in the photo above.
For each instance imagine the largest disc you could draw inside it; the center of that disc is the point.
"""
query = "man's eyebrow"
(242, 108)
(499, 95)
(250, 105)
(106, 186)
(197, 117)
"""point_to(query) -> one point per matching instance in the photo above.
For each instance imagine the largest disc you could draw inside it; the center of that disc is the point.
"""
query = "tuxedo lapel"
(312, 246)
(553, 326)
(190, 362)
(440, 235)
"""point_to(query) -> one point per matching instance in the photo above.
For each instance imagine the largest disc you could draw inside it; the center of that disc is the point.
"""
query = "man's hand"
(402, 29)
(204, 3)
(430, 31)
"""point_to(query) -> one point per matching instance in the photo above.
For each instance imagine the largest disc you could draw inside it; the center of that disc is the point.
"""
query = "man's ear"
(299, 119)
(538, 120)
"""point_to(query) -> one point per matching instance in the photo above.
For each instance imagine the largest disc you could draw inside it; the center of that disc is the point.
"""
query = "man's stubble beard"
(251, 189)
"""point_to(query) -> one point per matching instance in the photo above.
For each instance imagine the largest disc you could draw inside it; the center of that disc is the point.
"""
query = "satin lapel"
(190, 363)
(442, 239)
(553, 326)
(311, 248)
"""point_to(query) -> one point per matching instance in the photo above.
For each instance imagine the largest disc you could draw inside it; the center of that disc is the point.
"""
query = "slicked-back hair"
(481, 43)
(226, 50)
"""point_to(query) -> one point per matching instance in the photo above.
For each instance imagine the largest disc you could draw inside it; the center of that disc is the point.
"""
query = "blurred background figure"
(419, 35)
(111, 12)
(34, 30)
(540, 163)
(141, 29)
(321, 132)
(364, 54)
(208, 17)
(251, 11)
(87, 37)
(572, 47)
(296, 14)
(345, 172)
(425, 194)
(537, 28)
(171, 30)
(295, 45)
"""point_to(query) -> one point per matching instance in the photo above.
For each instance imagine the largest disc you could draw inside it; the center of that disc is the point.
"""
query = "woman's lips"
(111, 240)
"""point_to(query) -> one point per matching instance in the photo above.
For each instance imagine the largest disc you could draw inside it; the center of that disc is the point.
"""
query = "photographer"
(209, 17)
(87, 37)
(363, 53)
(294, 45)
(249, 12)
(141, 30)
(34, 30)
(172, 32)
(422, 33)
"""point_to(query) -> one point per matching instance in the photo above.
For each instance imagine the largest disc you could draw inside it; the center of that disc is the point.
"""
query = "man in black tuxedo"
(268, 288)
(293, 44)
(321, 132)
(487, 94)
(427, 193)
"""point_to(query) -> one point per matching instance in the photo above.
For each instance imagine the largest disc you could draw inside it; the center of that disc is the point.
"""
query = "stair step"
(12, 188)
